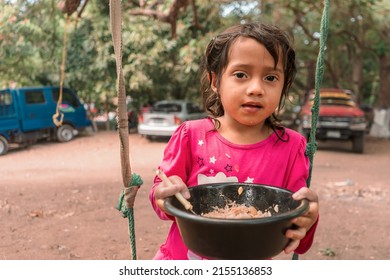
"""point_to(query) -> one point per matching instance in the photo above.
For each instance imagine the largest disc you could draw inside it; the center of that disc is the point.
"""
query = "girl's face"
(250, 87)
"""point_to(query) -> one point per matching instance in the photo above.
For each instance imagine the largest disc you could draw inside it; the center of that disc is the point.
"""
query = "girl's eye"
(271, 78)
(240, 75)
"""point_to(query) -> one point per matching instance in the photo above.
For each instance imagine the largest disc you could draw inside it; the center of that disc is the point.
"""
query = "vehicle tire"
(3, 146)
(65, 133)
(358, 144)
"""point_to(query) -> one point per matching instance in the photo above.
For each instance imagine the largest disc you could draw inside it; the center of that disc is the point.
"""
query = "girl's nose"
(255, 87)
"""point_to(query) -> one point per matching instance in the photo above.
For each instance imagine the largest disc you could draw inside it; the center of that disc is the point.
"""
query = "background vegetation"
(164, 40)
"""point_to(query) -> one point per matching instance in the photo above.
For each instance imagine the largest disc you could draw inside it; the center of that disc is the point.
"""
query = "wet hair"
(216, 58)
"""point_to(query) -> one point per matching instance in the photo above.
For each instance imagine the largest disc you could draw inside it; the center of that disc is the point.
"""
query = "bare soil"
(57, 201)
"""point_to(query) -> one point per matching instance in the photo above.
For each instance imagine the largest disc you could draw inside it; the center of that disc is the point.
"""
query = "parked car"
(340, 118)
(26, 116)
(166, 116)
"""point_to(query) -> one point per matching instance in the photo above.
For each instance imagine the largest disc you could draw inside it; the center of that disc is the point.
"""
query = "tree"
(164, 40)
(171, 13)
(382, 49)
(29, 44)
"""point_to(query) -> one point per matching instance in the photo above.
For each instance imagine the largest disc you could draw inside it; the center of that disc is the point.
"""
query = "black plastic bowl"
(257, 238)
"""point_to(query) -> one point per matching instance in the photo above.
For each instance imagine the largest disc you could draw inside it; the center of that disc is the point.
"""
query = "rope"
(312, 144)
(130, 181)
(58, 113)
(68, 7)
(128, 213)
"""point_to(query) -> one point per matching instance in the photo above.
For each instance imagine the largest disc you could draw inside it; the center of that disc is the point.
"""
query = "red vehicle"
(340, 118)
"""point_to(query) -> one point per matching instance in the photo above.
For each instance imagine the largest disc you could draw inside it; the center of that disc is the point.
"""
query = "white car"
(166, 116)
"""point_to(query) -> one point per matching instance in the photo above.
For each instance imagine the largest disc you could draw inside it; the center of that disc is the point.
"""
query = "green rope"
(312, 144)
(129, 213)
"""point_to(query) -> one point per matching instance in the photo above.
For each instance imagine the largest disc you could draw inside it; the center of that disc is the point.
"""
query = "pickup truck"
(26, 116)
(340, 118)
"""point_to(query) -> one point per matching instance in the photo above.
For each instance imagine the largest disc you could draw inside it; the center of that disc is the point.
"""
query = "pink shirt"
(199, 154)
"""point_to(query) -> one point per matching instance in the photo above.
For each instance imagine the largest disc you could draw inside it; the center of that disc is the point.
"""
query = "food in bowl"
(233, 210)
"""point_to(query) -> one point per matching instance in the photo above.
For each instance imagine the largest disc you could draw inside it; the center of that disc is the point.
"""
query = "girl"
(248, 70)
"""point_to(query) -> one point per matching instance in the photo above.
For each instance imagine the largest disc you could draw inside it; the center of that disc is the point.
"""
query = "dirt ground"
(57, 201)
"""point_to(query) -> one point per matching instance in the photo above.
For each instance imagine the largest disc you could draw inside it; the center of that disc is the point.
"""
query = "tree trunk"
(310, 77)
(357, 73)
(381, 125)
(384, 79)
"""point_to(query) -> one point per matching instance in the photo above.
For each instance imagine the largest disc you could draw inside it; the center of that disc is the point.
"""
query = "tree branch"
(168, 17)
(195, 21)
(82, 8)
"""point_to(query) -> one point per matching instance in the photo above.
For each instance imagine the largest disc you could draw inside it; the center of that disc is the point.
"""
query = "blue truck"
(26, 116)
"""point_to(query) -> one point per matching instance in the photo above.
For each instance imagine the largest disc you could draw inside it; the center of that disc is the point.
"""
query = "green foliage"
(157, 66)
(24, 44)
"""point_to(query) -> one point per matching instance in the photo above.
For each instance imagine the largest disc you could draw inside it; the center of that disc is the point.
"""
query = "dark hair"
(215, 60)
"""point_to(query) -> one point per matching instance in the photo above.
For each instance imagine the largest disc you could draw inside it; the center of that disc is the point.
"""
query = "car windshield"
(167, 107)
(336, 98)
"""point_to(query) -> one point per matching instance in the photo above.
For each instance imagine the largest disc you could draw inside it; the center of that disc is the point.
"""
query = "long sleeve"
(176, 161)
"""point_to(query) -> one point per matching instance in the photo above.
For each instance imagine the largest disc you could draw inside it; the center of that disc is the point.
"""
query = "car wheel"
(3, 146)
(358, 144)
(65, 133)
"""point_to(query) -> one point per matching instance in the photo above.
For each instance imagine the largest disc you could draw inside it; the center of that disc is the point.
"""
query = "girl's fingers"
(304, 222)
(163, 191)
(295, 235)
(306, 193)
(291, 246)
(160, 204)
(176, 185)
(181, 186)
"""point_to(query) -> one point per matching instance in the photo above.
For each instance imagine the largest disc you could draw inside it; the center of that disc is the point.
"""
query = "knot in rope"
(136, 180)
(128, 195)
(58, 118)
(311, 149)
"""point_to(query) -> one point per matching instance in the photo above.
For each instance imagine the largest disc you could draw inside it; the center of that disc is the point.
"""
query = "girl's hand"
(163, 191)
(304, 222)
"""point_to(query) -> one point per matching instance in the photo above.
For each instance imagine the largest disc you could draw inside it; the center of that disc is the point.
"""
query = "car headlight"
(356, 120)
(358, 123)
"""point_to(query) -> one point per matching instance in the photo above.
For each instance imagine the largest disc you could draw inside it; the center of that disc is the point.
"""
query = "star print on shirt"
(211, 171)
(213, 159)
(200, 162)
(228, 168)
(200, 142)
(249, 180)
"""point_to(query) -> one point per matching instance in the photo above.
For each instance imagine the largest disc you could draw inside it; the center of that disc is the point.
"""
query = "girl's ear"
(213, 82)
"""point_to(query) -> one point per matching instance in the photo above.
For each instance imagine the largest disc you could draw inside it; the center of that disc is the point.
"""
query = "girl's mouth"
(252, 106)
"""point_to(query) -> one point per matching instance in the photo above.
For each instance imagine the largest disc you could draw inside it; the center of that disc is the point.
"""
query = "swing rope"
(58, 117)
(131, 182)
(312, 144)
(68, 7)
